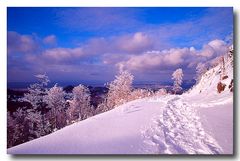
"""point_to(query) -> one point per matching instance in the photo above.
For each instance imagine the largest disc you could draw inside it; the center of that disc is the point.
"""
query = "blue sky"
(91, 44)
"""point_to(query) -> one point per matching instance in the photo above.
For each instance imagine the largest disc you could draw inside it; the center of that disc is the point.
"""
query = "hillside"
(197, 122)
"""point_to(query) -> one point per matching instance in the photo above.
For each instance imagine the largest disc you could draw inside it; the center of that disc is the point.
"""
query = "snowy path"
(178, 130)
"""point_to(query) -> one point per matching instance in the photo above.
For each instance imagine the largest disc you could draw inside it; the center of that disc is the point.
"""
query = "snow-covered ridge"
(208, 82)
(197, 122)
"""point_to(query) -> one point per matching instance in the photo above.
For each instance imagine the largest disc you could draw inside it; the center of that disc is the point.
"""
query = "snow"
(221, 127)
(116, 131)
(197, 122)
(148, 126)
(182, 130)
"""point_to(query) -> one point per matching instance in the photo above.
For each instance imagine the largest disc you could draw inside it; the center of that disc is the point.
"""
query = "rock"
(224, 77)
(220, 87)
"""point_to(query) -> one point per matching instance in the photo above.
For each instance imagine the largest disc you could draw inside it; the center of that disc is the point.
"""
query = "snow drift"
(197, 122)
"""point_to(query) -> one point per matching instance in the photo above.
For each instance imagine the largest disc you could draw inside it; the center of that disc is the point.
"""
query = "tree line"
(52, 108)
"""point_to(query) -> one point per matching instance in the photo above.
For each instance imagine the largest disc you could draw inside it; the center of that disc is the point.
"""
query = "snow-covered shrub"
(56, 103)
(138, 93)
(177, 76)
(119, 89)
(101, 108)
(79, 108)
(161, 92)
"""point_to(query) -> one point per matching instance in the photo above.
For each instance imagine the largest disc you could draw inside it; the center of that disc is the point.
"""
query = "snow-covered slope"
(116, 131)
(207, 85)
(197, 122)
(215, 109)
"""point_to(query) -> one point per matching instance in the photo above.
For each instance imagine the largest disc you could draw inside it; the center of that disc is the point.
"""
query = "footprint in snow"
(179, 131)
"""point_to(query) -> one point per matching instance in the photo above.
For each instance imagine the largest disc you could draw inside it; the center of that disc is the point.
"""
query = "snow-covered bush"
(177, 76)
(161, 92)
(138, 93)
(79, 107)
(119, 89)
(102, 107)
(56, 103)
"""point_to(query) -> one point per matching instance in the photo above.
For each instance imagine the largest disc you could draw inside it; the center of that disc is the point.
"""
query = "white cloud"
(134, 43)
(214, 48)
(50, 40)
(219, 46)
(154, 59)
(20, 43)
(207, 51)
(63, 54)
(175, 57)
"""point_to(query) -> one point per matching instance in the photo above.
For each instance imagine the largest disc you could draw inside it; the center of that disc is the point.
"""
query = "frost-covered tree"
(10, 130)
(56, 103)
(18, 130)
(71, 112)
(36, 97)
(177, 76)
(200, 70)
(37, 91)
(80, 108)
(119, 89)
(35, 125)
